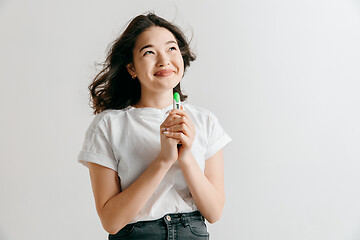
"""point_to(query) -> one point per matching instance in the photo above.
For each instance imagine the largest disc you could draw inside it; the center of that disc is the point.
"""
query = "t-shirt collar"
(150, 110)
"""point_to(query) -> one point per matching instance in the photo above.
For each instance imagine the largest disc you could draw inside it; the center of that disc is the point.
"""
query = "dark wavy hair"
(113, 87)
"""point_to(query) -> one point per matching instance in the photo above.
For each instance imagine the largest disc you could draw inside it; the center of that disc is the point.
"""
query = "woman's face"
(157, 61)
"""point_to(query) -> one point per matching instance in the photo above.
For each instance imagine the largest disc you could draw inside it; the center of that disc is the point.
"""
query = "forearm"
(207, 198)
(123, 207)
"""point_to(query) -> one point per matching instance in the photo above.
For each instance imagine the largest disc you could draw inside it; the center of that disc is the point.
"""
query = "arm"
(207, 189)
(117, 208)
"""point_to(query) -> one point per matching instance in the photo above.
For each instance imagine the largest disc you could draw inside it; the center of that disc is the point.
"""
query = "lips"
(164, 73)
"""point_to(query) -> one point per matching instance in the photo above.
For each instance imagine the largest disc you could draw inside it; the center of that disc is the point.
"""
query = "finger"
(185, 138)
(170, 120)
(181, 120)
(182, 138)
(176, 121)
(177, 135)
(180, 112)
(167, 120)
(183, 113)
(180, 128)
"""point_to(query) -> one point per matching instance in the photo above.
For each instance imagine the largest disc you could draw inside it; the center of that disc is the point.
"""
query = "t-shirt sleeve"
(96, 147)
(217, 137)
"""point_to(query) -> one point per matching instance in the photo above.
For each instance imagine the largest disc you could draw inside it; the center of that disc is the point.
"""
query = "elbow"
(111, 222)
(111, 226)
(214, 216)
(112, 229)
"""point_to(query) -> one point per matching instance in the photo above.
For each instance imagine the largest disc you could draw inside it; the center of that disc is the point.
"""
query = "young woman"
(156, 172)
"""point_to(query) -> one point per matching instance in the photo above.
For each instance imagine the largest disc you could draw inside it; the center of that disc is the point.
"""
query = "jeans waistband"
(196, 215)
(173, 218)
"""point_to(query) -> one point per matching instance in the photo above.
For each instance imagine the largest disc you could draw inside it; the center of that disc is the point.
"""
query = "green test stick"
(176, 101)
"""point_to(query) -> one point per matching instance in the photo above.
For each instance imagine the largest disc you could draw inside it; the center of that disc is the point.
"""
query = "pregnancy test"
(177, 105)
(176, 101)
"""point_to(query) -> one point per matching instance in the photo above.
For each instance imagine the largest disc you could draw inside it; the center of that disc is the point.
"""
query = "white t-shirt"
(128, 140)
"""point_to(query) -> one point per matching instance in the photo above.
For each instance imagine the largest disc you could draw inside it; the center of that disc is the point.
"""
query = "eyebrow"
(149, 45)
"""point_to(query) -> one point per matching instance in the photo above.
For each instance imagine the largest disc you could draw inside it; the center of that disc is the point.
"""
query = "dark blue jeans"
(172, 226)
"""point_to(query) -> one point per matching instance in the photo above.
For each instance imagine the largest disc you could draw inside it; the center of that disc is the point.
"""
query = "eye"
(148, 52)
(172, 48)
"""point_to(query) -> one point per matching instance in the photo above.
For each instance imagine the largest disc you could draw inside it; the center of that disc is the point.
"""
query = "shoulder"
(105, 118)
(198, 112)
(203, 118)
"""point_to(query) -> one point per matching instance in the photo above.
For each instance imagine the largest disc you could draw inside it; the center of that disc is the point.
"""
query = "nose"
(162, 60)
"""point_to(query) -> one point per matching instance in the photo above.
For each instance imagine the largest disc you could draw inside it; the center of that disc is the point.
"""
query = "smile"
(164, 73)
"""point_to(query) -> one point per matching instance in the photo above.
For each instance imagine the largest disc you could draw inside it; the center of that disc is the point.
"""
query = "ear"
(131, 69)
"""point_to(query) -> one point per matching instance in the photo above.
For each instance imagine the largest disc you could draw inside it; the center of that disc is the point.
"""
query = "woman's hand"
(169, 151)
(179, 126)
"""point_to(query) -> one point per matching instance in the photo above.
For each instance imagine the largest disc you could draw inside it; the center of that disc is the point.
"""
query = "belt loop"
(202, 217)
(184, 220)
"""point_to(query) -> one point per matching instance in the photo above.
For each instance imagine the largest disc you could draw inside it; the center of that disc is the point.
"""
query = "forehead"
(155, 36)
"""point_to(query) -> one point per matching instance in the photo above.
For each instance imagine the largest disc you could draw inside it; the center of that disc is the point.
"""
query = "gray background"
(282, 76)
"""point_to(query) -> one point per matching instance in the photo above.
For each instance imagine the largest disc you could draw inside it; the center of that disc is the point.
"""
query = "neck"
(155, 100)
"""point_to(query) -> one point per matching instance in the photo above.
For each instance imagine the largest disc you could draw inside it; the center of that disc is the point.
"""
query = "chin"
(171, 82)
